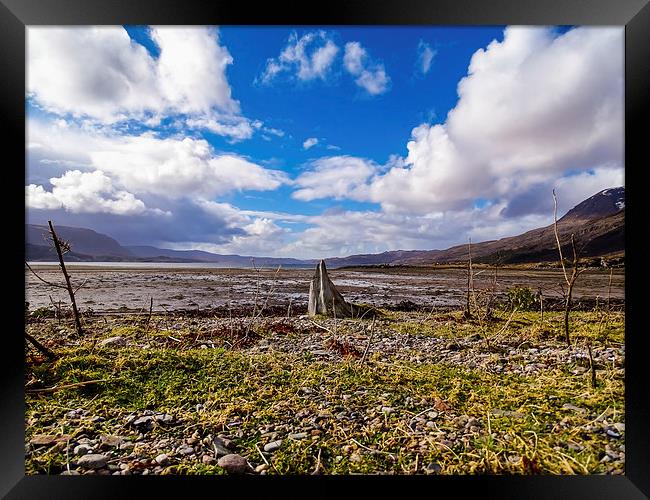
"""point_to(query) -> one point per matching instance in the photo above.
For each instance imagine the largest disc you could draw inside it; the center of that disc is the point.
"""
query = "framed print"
(382, 245)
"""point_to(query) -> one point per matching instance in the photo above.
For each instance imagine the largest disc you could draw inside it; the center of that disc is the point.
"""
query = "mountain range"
(597, 224)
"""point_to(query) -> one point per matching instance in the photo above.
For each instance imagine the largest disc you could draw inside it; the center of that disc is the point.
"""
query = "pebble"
(145, 422)
(261, 468)
(569, 406)
(92, 461)
(234, 464)
(111, 441)
(113, 342)
(273, 445)
(387, 409)
(162, 459)
(82, 449)
(208, 460)
(433, 468)
(185, 450)
(298, 435)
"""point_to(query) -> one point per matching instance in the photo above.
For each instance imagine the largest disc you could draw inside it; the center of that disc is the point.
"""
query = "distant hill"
(598, 225)
(225, 260)
(84, 241)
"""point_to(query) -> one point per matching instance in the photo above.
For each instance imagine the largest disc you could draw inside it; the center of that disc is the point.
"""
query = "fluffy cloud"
(253, 232)
(101, 73)
(171, 167)
(347, 232)
(425, 57)
(237, 128)
(89, 192)
(371, 76)
(309, 142)
(517, 126)
(308, 58)
(335, 177)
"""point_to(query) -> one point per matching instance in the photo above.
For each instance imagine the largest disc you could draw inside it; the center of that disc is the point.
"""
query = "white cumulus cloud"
(309, 142)
(371, 76)
(425, 57)
(308, 57)
(532, 109)
(88, 192)
(335, 177)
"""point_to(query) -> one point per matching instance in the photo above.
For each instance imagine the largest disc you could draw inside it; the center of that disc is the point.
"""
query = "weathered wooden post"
(324, 298)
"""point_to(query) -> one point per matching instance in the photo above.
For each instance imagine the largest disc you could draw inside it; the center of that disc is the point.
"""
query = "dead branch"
(40, 347)
(60, 251)
(43, 280)
(67, 386)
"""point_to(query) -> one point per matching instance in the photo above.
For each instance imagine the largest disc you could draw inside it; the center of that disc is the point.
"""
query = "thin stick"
(259, 451)
(557, 237)
(317, 462)
(44, 281)
(67, 386)
(365, 352)
(40, 346)
(322, 327)
(592, 368)
(150, 311)
(371, 450)
(57, 245)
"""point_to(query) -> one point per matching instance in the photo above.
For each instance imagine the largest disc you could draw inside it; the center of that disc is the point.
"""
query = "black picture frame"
(15, 15)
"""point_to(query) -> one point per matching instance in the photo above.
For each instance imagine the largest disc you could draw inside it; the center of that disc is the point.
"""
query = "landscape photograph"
(324, 250)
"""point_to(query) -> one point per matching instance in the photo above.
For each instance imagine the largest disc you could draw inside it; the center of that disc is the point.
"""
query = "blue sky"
(315, 142)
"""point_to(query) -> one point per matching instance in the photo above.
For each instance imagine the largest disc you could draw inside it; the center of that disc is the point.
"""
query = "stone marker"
(324, 298)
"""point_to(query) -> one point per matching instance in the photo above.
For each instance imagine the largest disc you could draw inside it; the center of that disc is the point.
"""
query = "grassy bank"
(418, 409)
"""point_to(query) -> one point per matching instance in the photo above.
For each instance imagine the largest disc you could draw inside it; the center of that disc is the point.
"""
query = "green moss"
(260, 389)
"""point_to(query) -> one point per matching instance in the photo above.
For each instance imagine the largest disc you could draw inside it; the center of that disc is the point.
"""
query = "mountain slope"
(83, 241)
(597, 223)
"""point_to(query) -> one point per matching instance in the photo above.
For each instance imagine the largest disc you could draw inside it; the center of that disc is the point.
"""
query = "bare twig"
(40, 346)
(592, 367)
(150, 311)
(557, 236)
(365, 352)
(60, 251)
(317, 469)
(44, 281)
(67, 386)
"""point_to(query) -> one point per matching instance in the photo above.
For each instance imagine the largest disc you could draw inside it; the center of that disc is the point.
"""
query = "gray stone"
(113, 342)
(185, 450)
(433, 468)
(82, 449)
(92, 461)
(220, 447)
(298, 435)
(70, 473)
(144, 422)
(162, 459)
(273, 445)
(109, 441)
(234, 464)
